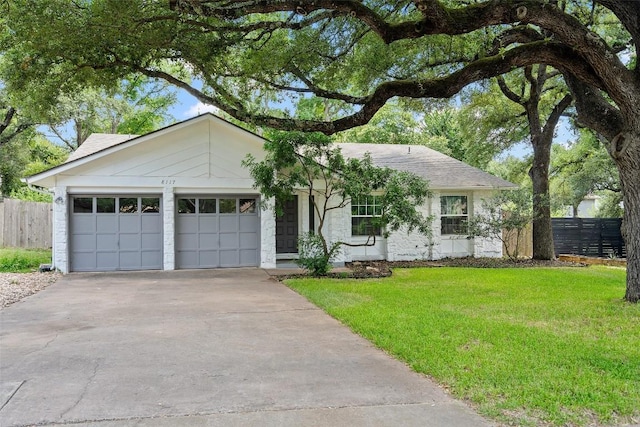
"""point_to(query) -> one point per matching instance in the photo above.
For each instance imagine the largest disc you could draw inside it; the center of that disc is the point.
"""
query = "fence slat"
(25, 224)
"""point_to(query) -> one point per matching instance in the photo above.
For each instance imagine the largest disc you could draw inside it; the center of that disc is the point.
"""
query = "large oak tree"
(246, 54)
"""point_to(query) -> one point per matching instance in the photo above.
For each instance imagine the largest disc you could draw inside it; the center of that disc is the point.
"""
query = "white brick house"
(179, 198)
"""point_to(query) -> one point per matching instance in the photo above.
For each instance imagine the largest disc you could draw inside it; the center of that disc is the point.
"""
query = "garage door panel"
(151, 223)
(229, 258)
(228, 240)
(129, 223)
(107, 223)
(248, 240)
(208, 241)
(208, 224)
(150, 241)
(106, 242)
(208, 259)
(83, 224)
(186, 241)
(248, 256)
(228, 223)
(187, 224)
(130, 260)
(84, 242)
(248, 223)
(129, 242)
(150, 258)
(106, 260)
(84, 261)
(187, 259)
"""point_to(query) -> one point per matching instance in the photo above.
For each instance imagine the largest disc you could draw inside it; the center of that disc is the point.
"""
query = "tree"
(361, 54)
(25, 155)
(582, 168)
(310, 163)
(135, 106)
(505, 217)
(534, 85)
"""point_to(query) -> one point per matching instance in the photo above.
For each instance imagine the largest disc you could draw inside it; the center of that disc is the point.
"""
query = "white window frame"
(369, 209)
(457, 209)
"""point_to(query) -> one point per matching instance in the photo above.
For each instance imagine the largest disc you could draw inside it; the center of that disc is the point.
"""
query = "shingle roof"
(98, 142)
(442, 171)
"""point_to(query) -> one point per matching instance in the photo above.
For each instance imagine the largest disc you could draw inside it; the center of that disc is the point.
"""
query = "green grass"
(13, 260)
(527, 346)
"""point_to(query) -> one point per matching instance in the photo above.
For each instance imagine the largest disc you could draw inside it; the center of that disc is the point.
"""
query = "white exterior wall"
(485, 247)
(60, 229)
(403, 246)
(168, 228)
(267, 236)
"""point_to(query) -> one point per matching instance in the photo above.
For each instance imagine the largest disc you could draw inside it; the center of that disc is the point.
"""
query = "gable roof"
(98, 142)
(98, 145)
(442, 171)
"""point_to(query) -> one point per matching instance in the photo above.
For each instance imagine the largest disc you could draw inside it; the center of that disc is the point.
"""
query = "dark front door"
(287, 228)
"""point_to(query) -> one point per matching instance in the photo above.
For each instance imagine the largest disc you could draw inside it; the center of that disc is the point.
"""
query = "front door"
(287, 228)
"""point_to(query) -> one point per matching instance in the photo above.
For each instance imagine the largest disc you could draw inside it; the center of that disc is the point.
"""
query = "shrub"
(312, 255)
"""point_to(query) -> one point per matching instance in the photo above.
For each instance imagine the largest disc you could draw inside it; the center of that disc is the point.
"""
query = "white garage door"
(111, 233)
(217, 231)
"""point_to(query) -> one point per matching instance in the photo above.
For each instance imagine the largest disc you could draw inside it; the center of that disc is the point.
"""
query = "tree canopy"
(248, 56)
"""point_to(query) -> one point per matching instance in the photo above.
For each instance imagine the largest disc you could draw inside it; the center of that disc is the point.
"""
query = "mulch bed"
(375, 269)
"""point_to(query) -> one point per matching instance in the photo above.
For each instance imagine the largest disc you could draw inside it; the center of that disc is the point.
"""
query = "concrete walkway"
(200, 348)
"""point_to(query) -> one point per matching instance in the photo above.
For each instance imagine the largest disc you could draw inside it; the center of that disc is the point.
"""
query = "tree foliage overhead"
(361, 54)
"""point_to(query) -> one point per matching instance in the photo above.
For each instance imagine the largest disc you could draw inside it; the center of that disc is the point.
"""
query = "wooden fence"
(525, 247)
(599, 237)
(25, 224)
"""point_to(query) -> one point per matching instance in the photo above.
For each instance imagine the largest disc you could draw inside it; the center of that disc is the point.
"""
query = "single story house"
(179, 198)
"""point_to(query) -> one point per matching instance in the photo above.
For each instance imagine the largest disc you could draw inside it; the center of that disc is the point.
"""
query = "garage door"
(217, 232)
(115, 233)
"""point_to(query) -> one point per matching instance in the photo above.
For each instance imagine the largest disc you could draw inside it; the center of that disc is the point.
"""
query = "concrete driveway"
(200, 348)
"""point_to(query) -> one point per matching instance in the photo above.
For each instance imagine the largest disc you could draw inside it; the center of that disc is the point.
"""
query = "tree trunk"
(628, 162)
(539, 173)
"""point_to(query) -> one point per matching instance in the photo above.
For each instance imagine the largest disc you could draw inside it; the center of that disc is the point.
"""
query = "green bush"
(14, 260)
(312, 255)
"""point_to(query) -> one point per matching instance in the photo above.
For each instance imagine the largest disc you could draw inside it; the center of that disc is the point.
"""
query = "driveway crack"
(84, 389)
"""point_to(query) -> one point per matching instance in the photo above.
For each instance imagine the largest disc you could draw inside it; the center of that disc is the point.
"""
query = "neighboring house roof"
(98, 142)
(442, 171)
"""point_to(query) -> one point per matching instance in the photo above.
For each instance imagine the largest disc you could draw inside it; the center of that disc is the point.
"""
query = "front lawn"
(527, 346)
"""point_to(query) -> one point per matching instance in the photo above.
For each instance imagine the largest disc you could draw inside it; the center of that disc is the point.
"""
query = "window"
(207, 205)
(186, 206)
(247, 206)
(128, 205)
(363, 211)
(454, 215)
(83, 205)
(227, 206)
(150, 205)
(106, 204)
